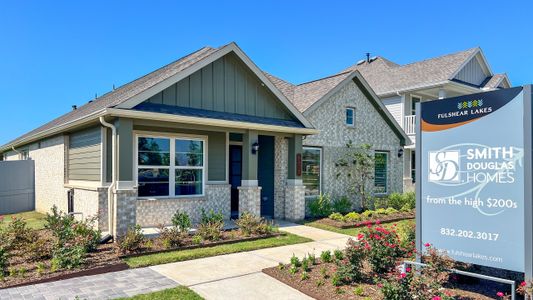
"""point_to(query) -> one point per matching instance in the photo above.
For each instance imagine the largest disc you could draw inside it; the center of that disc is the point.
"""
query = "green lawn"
(181, 255)
(180, 292)
(34, 219)
(349, 231)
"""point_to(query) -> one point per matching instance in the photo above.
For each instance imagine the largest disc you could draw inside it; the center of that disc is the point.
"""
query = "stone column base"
(126, 211)
(250, 200)
(294, 201)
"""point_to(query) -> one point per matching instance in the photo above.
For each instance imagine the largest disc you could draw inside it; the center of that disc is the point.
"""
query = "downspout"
(111, 188)
(15, 150)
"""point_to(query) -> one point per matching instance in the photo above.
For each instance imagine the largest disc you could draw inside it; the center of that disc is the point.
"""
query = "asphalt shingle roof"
(126, 91)
(494, 81)
(384, 76)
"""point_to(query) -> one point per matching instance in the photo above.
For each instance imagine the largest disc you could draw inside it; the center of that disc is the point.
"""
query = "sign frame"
(528, 180)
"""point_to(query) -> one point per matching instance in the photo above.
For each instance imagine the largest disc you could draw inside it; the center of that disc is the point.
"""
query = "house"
(208, 131)
(345, 108)
(401, 86)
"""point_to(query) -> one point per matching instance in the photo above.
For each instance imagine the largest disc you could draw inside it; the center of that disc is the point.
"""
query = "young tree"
(358, 164)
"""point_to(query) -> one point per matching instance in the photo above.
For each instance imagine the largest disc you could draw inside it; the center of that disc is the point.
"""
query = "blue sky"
(58, 53)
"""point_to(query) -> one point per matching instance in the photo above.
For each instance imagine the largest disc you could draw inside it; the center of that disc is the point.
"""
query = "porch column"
(295, 190)
(249, 191)
(125, 191)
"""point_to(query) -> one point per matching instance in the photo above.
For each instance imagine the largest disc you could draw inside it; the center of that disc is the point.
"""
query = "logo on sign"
(444, 166)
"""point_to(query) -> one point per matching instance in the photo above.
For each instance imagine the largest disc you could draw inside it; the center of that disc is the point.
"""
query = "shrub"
(337, 217)
(391, 211)
(359, 291)
(68, 257)
(321, 206)
(197, 240)
(382, 248)
(355, 256)
(407, 234)
(338, 254)
(396, 287)
(381, 211)
(18, 234)
(68, 230)
(342, 205)
(211, 217)
(40, 248)
(346, 274)
(367, 213)
(60, 224)
(295, 261)
(132, 241)
(4, 255)
(85, 235)
(305, 264)
(181, 221)
(402, 201)
(325, 256)
(169, 237)
(250, 224)
(305, 276)
(41, 268)
(211, 231)
(352, 217)
(312, 258)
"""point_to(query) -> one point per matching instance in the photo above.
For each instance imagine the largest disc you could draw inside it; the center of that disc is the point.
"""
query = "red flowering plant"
(525, 289)
(382, 247)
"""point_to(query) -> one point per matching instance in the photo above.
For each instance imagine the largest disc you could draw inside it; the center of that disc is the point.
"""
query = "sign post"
(474, 178)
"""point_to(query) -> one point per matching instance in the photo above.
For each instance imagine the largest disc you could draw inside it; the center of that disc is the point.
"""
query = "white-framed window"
(381, 169)
(24, 154)
(350, 116)
(312, 170)
(170, 166)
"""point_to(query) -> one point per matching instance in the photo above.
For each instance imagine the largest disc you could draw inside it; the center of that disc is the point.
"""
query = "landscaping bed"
(369, 268)
(383, 218)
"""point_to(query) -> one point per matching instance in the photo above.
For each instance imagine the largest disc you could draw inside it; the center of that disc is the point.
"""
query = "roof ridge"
(439, 57)
(324, 78)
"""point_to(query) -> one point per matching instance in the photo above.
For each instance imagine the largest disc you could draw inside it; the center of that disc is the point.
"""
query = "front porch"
(163, 167)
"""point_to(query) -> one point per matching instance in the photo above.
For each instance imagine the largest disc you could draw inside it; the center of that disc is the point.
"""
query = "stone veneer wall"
(160, 211)
(295, 202)
(281, 156)
(250, 200)
(369, 128)
(126, 209)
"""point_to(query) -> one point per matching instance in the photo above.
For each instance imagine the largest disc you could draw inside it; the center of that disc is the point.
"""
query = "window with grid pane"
(311, 160)
(380, 172)
(170, 167)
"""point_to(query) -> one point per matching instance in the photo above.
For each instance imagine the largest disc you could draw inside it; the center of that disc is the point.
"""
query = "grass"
(34, 219)
(180, 292)
(349, 231)
(181, 255)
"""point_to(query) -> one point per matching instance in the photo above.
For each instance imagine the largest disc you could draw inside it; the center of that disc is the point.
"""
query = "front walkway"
(231, 276)
(239, 276)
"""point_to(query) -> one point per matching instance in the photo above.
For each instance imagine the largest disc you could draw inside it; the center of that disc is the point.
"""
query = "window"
(350, 116)
(413, 166)
(311, 164)
(414, 101)
(380, 172)
(170, 167)
(24, 155)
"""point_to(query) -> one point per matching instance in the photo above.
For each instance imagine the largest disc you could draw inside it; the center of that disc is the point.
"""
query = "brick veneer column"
(294, 200)
(250, 200)
(126, 207)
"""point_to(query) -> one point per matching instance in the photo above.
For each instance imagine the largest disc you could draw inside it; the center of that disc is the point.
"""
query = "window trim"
(346, 117)
(319, 170)
(172, 168)
(387, 153)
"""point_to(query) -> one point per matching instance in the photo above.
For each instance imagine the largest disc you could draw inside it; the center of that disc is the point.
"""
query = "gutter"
(111, 188)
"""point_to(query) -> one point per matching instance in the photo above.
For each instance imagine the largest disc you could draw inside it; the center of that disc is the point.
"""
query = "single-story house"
(208, 131)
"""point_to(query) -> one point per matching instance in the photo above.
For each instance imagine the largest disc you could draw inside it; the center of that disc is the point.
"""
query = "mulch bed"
(103, 260)
(478, 290)
(228, 237)
(382, 218)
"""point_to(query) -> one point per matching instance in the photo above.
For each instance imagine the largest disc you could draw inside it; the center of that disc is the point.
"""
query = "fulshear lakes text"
(460, 113)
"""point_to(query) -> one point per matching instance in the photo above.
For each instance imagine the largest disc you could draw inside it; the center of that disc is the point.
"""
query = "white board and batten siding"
(394, 105)
(85, 154)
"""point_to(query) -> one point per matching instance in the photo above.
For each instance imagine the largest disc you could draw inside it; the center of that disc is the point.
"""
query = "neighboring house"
(401, 86)
(344, 108)
(208, 131)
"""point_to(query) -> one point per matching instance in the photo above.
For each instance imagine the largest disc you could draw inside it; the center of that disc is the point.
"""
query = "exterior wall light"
(400, 152)
(255, 148)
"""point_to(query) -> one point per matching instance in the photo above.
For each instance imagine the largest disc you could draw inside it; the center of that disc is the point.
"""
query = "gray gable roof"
(124, 92)
(386, 77)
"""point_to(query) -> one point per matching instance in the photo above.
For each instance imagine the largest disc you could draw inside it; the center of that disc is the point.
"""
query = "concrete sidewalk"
(239, 276)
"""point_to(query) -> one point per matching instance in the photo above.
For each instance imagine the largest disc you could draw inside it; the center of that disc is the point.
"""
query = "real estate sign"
(472, 171)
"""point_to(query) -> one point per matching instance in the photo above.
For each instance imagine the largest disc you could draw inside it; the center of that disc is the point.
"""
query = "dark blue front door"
(235, 176)
(265, 174)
